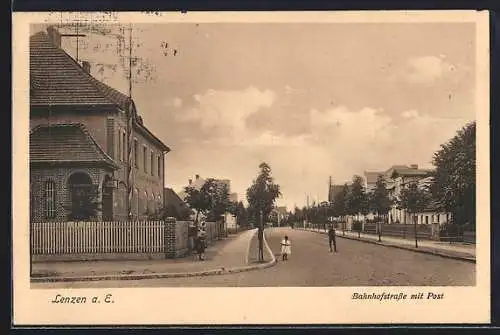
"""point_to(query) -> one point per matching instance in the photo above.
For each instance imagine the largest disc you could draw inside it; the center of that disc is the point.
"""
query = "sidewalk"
(455, 250)
(228, 255)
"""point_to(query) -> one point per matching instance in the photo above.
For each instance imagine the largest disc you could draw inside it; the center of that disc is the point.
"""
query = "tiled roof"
(65, 143)
(171, 198)
(371, 176)
(57, 79)
(404, 170)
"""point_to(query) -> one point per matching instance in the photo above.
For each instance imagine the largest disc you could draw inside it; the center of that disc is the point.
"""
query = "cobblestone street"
(311, 264)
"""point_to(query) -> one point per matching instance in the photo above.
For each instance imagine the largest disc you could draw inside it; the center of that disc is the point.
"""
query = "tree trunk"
(261, 238)
(415, 230)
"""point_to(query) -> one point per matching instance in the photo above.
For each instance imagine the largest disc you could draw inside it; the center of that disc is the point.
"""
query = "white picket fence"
(53, 238)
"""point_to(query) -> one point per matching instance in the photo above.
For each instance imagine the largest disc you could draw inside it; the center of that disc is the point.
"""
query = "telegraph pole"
(77, 35)
(130, 116)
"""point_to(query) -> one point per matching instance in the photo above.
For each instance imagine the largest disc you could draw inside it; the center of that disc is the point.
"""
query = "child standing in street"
(286, 248)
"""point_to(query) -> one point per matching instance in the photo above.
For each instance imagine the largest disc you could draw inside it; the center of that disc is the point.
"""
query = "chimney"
(414, 166)
(54, 36)
(86, 66)
(197, 176)
(190, 181)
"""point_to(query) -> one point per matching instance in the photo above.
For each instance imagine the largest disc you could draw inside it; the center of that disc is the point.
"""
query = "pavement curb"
(211, 272)
(429, 252)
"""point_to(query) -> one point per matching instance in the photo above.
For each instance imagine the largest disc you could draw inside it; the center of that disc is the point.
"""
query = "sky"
(313, 100)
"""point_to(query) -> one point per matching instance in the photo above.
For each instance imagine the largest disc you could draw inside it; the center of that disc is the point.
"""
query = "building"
(84, 136)
(175, 206)
(198, 183)
(370, 179)
(399, 177)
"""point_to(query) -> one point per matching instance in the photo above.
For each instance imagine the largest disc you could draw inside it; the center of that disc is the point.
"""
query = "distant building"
(370, 179)
(85, 135)
(175, 206)
(400, 177)
(198, 183)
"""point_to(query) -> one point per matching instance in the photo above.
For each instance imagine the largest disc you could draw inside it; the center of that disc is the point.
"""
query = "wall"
(176, 238)
(38, 177)
(148, 188)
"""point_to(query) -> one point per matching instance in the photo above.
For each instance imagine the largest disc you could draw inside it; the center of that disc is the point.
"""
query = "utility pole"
(77, 35)
(130, 116)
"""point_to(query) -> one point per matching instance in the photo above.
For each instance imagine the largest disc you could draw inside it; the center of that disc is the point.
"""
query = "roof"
(372, 176)
(171, 198)
(407, 171)
(56, 79)
(66, 143)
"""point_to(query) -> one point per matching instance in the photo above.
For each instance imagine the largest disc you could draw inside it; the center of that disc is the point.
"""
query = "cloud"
(427, 69)
(340, 142)
(290, 90)
(226, 111)
(409, 114)
(173, 102)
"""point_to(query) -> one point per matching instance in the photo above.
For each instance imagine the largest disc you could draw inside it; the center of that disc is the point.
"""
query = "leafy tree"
(379, 199)
(220, 204)
(261, 196)
(454, 184)
(84, 203)
(414, 200)
(340, 202)
(201, 200)
(169, 210)
(357, 201)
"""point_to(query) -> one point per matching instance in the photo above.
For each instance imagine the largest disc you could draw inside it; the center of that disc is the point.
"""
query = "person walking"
(201, 245)
(331, 239)
(286, 248)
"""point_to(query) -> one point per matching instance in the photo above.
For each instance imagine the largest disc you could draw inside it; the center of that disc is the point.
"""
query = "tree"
(454, 182)
(357, 201)
(200, 199)
(84, 203)
(380, 203)
(339, 204)
(170, 210)
(220, 204)
(261, 196)
(414, 200)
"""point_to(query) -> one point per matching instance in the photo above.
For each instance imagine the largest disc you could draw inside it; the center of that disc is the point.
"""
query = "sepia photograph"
(231, 153)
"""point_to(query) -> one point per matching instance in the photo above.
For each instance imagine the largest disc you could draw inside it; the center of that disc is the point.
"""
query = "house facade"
(399, 177)
(85, 135)
(198, 183)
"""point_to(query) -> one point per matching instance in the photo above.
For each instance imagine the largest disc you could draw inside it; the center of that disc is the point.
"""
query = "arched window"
(50, 199)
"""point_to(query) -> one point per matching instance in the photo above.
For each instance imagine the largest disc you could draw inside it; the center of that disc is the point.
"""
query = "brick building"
(86, 135)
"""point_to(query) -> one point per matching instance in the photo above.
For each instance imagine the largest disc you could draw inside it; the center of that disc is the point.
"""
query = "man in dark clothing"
(331, 239)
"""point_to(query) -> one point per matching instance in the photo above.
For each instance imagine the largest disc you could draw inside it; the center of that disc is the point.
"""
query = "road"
(311, 264)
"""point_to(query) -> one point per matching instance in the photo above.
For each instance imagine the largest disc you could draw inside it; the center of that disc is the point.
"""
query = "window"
(152, 163)
(159, 166)
(50, 200)
(145, 158)
(120, 150)
(437, 218)
(124, 141)
(136, 153)
(427, 219)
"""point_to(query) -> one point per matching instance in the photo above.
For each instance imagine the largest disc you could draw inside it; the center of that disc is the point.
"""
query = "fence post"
(169, 237)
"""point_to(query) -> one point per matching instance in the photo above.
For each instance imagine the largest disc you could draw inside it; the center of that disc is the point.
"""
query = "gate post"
(170, 237)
